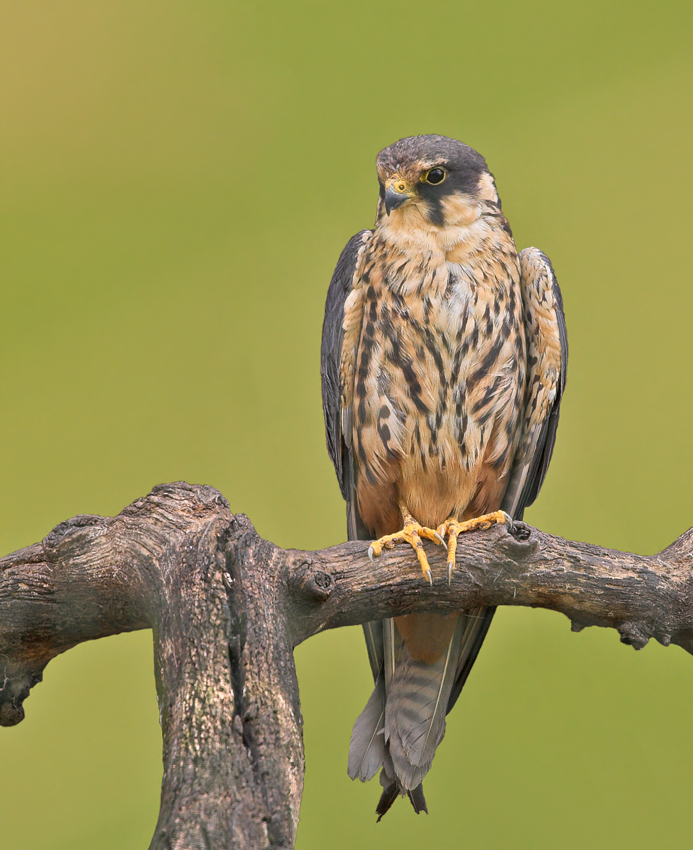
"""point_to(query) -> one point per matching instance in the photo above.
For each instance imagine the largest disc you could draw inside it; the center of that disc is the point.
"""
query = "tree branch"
(227, 608)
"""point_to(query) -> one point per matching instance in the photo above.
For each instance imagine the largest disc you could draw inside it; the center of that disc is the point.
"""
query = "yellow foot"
(453, 529)
(411, 534)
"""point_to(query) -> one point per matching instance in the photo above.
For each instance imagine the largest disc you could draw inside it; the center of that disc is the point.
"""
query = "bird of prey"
(444, 356)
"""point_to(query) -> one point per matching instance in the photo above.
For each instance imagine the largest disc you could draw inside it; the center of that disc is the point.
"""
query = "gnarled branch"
(227, 608)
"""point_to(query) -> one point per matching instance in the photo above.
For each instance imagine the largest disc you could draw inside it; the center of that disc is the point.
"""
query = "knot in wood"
(316, 584)
(321, 584)
(519, 531)
(517, 539)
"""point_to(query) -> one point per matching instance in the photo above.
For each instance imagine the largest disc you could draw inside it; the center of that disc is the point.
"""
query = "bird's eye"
(435, 176)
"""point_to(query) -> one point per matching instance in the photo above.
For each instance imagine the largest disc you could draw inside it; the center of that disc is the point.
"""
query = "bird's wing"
(333, 335)
(547, 362)
(340, 340)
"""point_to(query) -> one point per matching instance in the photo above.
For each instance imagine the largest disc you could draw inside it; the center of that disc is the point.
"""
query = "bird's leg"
(453, 528)
(412, 533)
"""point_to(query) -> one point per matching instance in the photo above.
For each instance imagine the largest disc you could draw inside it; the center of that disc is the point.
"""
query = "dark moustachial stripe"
(435, 211)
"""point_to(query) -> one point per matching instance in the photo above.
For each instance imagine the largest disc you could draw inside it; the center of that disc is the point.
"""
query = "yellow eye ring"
(435, 176)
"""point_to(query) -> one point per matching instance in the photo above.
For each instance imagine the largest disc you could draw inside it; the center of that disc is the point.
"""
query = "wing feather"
(547, 362)
(340, 339)
(341, 287)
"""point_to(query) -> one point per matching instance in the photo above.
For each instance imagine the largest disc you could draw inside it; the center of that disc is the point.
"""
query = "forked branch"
(227, 608)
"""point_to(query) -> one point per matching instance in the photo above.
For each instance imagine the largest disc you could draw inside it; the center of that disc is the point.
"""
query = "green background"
(178, 181)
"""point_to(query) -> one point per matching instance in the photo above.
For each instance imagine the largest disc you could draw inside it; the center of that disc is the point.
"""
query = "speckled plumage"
(441, 387)
(439, 371)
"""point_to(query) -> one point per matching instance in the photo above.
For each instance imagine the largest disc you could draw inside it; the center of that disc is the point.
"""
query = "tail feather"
(393, 789)
(387, 798)
(417, 799)
(367, 747)
(415, 712)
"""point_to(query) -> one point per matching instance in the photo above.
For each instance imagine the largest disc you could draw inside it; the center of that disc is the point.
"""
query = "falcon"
(444, 356)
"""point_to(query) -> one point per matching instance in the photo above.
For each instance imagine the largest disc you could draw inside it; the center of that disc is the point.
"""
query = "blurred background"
(179, 178)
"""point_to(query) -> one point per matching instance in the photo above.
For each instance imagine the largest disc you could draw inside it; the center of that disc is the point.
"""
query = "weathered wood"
(227, 608)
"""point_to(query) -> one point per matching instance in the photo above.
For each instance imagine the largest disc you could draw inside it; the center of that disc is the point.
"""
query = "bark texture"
(227, 608)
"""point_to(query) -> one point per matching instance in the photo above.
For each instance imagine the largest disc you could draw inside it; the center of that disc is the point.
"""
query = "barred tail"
(417, 703)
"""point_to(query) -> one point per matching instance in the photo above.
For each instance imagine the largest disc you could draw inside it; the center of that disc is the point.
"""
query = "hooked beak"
(396, 194)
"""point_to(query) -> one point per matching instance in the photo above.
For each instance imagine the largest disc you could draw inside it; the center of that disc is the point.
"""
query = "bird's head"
(434, 178)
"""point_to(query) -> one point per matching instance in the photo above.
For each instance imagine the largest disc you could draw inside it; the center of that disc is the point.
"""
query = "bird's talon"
(411, 533)
(371, 554)
(453, 528)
